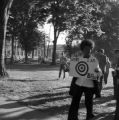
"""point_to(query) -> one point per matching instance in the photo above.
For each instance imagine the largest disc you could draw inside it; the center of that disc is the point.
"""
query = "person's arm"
(60, 60)
(98, 70)
(108, 62)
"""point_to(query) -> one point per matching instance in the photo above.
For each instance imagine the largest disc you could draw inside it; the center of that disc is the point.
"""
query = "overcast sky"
(49, 30)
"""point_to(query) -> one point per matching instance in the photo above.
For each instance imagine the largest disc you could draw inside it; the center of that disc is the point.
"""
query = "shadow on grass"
(38, 112)
(40, 100)
(22, 114)
(103, 99)
(108, 88)
(32, 67)
(62, 87)
(29, 80)
(9, 105)
(105, 116)
(22, 80)
(54, 109)
(44, 98)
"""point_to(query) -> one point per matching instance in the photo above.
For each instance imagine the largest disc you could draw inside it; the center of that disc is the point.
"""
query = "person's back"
(102, 59)
(63, 60)
(115, 62)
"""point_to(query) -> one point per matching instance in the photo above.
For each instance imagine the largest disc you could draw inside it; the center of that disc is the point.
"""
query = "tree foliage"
(58, 12)
(86, 21)
(82, 19)
(96, 20)
(110, 26)
(25, 18)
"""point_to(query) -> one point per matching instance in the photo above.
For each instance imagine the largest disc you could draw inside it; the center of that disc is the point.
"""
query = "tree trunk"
(12, 56)
(54, 50)
(32, 54)
(26, 56)
(56, 34)
(47, 50)
(44, 50)
(4, 15)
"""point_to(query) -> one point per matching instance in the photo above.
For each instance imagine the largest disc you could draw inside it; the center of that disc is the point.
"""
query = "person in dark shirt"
(115, 63)
(103, 61)
(115, 72)
(63, 61)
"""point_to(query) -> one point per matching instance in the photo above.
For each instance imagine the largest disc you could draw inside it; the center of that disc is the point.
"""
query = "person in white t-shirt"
(84, 85)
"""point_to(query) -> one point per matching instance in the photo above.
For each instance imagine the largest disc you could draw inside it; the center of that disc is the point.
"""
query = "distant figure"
(115, 63)
(63, 61)
(104, 64)
(115, 73)
(39, 59)
(108, 65)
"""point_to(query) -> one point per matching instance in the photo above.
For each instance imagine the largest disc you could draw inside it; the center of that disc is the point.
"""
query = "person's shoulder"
(102, 55)
(94, 58)
(105, 56)
(97, 54)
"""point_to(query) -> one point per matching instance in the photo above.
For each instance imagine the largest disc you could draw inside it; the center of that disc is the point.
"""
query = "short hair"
(101, 51)
(88, 43)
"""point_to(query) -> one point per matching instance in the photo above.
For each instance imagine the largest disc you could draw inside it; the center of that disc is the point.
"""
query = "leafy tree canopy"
(25, 18)
(86, 21)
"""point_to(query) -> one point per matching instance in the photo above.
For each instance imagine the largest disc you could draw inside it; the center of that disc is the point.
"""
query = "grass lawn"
(37, 86)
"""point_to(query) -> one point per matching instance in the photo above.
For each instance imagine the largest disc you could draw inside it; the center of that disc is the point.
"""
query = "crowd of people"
(90, 87)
